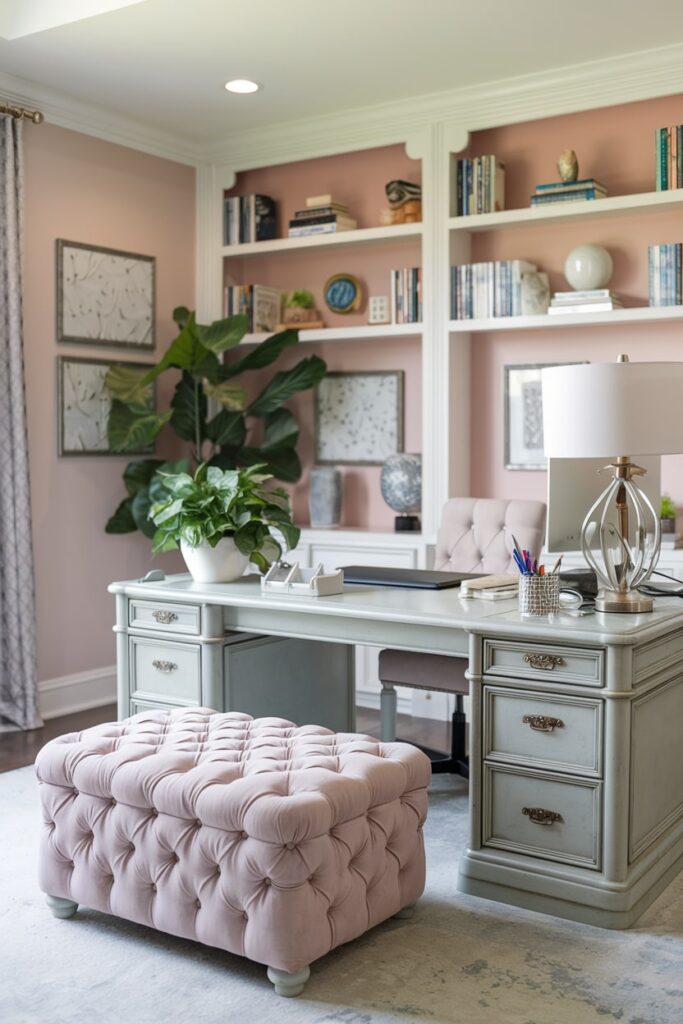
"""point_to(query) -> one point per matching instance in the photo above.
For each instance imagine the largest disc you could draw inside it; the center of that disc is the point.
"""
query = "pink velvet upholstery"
(269, 840)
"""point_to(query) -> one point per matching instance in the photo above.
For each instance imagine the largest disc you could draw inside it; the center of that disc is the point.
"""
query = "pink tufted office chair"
(475, 536)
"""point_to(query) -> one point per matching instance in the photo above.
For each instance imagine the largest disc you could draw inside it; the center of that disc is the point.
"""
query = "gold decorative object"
(542, 723)
(546, 662)
(568, 165)
(540, 816)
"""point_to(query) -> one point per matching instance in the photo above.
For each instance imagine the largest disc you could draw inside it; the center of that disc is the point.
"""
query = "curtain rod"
(21, 113)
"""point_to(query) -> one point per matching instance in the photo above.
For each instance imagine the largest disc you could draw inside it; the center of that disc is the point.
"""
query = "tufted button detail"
(197, 823)
(218, 869)
(198, 904)
(70, 864)
(245, 915)
(266, 881)
(74, 791)
(153, 887)
(244, 835)
(112, 802)
(290, 846)
(131, 847)
(154, 813)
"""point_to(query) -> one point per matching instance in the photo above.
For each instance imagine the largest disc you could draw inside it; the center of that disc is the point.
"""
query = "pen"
(557, 565)
(519, 563)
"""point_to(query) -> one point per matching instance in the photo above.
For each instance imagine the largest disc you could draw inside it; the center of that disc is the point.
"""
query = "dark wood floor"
(18, 749)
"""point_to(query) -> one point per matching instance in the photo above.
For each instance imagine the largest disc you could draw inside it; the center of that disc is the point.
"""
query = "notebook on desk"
(420, 579)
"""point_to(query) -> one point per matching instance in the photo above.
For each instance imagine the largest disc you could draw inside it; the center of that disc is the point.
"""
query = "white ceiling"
(164, 62)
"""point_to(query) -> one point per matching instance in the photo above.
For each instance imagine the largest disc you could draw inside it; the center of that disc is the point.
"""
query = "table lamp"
(604, 410)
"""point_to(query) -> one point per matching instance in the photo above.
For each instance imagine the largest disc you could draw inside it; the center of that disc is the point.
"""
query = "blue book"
(564, 197)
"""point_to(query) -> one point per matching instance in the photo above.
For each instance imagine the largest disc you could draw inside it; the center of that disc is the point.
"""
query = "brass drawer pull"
(164, 666)
(539, 816)
(165, 617)
(546, 662)
(542, 723)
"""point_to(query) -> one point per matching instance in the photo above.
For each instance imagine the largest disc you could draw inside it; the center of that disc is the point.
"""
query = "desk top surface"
(431, 608)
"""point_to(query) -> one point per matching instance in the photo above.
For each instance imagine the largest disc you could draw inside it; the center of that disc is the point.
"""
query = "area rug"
(460, 959)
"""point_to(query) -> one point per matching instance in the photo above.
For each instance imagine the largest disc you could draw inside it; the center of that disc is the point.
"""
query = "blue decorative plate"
(343, 293)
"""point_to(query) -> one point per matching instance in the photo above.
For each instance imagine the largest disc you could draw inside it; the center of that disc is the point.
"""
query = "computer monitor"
(573, 487)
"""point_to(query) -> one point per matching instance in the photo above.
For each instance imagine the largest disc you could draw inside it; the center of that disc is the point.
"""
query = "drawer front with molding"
(543, 661)
(166, 618)
(542, 815)
(137, 706)
(555, 733)
(169, 671)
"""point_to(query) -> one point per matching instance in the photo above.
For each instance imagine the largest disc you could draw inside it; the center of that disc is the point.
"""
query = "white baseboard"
(79, 692)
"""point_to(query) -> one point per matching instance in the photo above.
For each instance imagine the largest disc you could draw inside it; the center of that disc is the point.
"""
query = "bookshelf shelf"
(634, 315)
(363, 236)
(553, 213)
(362, 332)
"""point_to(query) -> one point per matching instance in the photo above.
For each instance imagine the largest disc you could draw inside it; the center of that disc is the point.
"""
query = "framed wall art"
(358, 418)
(104, 296)
(524, 416)
(83, 406)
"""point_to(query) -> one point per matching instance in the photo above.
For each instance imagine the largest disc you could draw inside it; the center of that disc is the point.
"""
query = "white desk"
(576, 785)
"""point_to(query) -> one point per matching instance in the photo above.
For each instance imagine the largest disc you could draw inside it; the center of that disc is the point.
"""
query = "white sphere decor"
(588, 267)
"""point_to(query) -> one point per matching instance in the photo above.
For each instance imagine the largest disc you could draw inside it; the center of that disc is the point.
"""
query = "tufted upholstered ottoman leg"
(287, 984)
(61, 907)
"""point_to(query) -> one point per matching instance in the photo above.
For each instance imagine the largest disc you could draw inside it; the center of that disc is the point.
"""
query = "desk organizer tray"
(283, 578)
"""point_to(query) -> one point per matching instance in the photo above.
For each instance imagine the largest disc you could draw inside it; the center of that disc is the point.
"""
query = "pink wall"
(616, 146)
(85, 190)
(357, 179)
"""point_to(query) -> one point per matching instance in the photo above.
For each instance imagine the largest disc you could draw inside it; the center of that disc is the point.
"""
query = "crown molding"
(78, 115)
(627, 78)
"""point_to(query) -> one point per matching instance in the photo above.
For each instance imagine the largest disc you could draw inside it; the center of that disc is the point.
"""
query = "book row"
(567, 191)
(485, 290)
(669, 158)
(478, 185)
(322, 215)
(260, 304)
(664, 275)
(248, 219)
(406, 295)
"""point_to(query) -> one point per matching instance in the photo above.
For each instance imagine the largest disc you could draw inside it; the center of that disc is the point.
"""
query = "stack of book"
(669, 157)
(260, 304)
(568, 191)
(322, 216)
(406, 295)
(595, 300)
(664, 275)
(248, 219)
(480, 291)
(478, 185)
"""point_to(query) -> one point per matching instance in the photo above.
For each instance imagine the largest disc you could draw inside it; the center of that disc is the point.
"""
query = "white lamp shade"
(603, 410)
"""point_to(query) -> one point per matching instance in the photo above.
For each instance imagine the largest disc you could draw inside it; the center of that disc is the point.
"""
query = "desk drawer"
(556, 733)
(169, 671)
(542, 815)
(166, 618)
(543, 661)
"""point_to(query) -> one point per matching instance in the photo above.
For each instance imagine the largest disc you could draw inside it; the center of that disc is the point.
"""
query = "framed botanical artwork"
(524, 416)
(104, 296)
(84, 404)
(358, 418)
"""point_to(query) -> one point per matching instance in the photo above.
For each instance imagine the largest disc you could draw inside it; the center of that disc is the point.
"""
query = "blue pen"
(519, 563)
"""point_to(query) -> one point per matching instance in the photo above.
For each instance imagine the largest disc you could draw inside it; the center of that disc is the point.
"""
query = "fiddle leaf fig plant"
(215, 503)
(210, 410)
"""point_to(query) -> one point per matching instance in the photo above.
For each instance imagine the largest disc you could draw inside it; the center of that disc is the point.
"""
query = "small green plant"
(299, 299)
(667, 509)
(216, 503)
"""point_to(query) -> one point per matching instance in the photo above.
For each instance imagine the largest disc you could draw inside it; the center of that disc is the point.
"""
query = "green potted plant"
(221, 520)
(210, 411)
(667, 514)
(298, 309)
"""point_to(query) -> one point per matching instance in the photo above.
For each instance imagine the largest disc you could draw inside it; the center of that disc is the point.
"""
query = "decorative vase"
(668, 525)
(401, 486)
(221, 564)
(588, 267)
(325, 497)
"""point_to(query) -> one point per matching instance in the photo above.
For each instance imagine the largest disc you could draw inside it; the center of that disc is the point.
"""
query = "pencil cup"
(539, 595)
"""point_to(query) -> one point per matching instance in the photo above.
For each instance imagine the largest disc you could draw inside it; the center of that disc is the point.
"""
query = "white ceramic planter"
(221, 564)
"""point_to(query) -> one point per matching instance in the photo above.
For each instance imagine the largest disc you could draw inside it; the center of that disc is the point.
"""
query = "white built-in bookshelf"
(630, 315)
(363, 332)
(362, 236)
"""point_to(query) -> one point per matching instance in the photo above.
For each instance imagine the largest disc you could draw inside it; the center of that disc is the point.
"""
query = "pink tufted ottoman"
(274, 842)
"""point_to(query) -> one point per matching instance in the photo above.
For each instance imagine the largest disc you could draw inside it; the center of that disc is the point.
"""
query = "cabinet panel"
(164, 618)
(556, 733)
(542, 815)
(166, 670)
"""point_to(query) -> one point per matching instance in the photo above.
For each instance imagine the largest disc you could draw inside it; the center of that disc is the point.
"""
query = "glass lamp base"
(629, 602)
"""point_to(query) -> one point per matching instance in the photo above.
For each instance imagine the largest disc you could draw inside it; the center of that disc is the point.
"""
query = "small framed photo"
(105, 297)
(83, 406)
(358, 418)
(523, 398)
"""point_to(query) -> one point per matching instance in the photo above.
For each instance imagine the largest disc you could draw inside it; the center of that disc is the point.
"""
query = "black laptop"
(419, 579)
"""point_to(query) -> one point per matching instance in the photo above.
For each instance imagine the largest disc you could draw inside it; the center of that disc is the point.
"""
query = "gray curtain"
(18, 677)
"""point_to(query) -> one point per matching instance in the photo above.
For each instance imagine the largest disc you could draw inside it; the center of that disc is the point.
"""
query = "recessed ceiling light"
(242, 85)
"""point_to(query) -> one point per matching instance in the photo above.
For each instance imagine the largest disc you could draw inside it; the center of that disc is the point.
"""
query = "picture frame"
(105, 297)
(83, 407)
(359, 417)
(523, 412)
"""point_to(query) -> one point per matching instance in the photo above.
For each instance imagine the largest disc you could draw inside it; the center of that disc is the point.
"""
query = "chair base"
(457, 762)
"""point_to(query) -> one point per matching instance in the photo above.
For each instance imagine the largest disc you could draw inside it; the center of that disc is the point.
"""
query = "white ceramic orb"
(588, 267)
